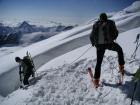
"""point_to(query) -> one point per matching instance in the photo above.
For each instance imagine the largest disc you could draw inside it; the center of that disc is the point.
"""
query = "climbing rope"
(81, 55)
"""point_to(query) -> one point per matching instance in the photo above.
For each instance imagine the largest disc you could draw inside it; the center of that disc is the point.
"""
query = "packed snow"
(62, 76)
(70, 84)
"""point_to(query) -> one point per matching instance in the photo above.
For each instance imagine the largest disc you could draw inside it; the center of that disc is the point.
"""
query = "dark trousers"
(27, 76)
(100, 54)
(26, 79)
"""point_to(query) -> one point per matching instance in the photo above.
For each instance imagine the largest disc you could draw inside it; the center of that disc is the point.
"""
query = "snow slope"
(5, 50)
(55, 46)
(29, 38)
(60, 44)
(69, 84)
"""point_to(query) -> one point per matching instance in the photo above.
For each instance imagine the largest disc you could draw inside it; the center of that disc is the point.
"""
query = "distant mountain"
(12, 38)
(13, 34)
(25, 27)
(4, 30)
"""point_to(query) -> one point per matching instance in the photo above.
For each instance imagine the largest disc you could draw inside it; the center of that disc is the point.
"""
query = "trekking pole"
(137, 41)
(135, 79)
(21, 80)
(134, 54)
(134, 91)
(20, 77)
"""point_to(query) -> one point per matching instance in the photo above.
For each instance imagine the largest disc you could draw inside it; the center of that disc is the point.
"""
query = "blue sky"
(63, 11)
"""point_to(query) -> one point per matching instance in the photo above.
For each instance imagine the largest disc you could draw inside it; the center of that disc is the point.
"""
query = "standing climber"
(103, 34)
(25, 69)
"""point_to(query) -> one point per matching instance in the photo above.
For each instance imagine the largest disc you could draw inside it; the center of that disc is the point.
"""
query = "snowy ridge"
(135, 7)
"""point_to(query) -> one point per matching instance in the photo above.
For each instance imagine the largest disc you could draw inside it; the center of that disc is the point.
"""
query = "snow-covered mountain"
(61, 81)
(16, 35)
(25, 27)
(4, 30)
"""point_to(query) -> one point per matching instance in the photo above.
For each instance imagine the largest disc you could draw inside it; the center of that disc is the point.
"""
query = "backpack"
(28, 62)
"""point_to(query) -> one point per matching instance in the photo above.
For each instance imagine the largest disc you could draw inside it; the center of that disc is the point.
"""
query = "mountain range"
(12, 35)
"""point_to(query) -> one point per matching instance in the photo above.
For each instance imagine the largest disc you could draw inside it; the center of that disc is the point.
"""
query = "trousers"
(100, 54)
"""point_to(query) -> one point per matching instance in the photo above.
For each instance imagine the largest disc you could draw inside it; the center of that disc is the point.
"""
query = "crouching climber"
(25, 69)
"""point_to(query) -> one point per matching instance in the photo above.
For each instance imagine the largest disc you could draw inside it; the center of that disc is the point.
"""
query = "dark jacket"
(109, 32)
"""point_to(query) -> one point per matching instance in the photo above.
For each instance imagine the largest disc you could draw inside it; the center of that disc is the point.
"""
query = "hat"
(103, 17)
(17, 59)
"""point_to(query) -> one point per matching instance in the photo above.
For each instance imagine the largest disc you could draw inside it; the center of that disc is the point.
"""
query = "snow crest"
(135, 7)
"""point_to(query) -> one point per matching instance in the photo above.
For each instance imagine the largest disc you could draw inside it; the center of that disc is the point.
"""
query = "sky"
(68, 12)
